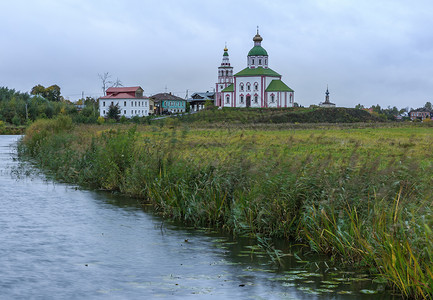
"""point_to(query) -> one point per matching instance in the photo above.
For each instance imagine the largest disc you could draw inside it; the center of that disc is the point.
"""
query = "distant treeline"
(19, 108)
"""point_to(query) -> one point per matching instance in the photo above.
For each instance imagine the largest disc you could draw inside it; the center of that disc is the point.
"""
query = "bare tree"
(117, 83)
(105, 80)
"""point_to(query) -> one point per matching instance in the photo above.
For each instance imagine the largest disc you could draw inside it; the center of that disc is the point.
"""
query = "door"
(248, 101)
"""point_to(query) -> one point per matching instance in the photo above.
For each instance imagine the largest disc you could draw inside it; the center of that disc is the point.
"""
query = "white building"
(130, 101)
(255, 86)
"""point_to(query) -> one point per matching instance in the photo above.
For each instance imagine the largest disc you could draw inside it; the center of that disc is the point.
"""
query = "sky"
(368, 52)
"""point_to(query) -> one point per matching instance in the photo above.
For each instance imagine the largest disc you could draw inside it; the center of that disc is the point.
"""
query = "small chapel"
(255, 86)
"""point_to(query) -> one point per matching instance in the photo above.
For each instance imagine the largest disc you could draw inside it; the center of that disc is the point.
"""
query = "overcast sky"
(368, 52)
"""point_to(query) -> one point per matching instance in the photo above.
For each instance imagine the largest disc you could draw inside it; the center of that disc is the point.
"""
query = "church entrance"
(248, 101)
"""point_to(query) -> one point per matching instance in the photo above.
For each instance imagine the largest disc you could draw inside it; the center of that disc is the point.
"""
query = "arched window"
(241, 86)
(256, 99)
(227, 99)
(256, 86)
(227, 73)
(272, 98)
(248, 86)
(242, 99)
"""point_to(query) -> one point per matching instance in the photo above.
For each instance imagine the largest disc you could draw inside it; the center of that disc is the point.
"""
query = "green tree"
(52, 93)
(359, 106)
(38, 90)
(114, 112)
(428, 105)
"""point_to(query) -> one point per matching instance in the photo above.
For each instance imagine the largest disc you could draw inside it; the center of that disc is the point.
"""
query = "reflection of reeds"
(363, 195)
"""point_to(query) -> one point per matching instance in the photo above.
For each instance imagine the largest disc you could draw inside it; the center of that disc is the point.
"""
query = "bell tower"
(225, 76)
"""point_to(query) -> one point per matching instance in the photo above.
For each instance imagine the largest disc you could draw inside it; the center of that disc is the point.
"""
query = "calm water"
(59, 242)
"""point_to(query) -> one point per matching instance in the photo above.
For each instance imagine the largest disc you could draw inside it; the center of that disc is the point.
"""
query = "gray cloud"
(368, 52)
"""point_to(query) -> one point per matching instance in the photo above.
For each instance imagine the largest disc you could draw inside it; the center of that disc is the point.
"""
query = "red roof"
(123, 93)
(123, 89)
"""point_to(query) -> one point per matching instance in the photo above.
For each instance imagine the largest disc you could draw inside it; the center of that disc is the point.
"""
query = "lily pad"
(368, 292)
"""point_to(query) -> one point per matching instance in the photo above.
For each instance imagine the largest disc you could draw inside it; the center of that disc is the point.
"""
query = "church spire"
(257, 38)
(225, 62)
(327, 95)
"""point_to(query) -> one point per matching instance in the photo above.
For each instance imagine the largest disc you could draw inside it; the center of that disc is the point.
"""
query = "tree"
(114, 112)
(428, 105)
(117, 83)
(105, 81)
(359, 106)
(38, 90)
(52, 93)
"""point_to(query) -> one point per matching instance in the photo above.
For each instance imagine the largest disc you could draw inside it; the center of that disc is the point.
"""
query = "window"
(227, 100)
(256, 99)
(266, 61)
(242, 99)
(260, 61)
(124, 104)
(112, 103)
(248, 87)
(124, 112)
(256, 86)
(103, 104)
(253, 61)
(104, 112)
(272, 98)
(242, 87)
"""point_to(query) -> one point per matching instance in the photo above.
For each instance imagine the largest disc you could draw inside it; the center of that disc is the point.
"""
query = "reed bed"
(361, 195)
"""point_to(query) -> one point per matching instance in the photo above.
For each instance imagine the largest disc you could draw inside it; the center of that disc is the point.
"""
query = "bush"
(101, 120)
(16, 120)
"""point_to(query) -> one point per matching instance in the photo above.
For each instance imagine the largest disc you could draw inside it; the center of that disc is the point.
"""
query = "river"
(61, 242)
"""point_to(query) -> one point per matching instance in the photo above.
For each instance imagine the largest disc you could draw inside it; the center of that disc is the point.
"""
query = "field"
(360, 193)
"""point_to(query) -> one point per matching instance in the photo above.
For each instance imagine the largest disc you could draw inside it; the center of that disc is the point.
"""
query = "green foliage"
(123, 119)
(51, 93)
(281, 115)
(101, 120)
(13, 107)
(360, 195)
(114, 112)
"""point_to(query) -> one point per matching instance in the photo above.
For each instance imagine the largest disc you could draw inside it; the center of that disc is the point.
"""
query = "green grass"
(360, 194)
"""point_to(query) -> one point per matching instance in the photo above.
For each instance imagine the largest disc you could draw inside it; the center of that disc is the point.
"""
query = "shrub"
(101, 120)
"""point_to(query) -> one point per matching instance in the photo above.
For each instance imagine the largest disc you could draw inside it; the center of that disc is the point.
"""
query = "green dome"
(257, 51)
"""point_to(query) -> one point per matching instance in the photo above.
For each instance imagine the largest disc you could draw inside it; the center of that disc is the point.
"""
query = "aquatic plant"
(362, 195)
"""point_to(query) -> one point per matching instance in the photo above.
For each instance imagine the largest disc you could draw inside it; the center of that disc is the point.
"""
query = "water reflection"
(58, 241)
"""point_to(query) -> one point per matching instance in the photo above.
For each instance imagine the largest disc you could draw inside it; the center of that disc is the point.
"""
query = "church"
(255, 86)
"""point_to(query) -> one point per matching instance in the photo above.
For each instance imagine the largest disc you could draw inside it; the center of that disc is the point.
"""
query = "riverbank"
(362, 195)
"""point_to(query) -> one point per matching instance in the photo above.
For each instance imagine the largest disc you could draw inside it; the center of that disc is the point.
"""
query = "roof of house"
(123, 89)
(421, 109)
(277, 85)
(202, 96)
(123, 93)
(122, 96)
(257, 72)
(230, 88)
(165, 96)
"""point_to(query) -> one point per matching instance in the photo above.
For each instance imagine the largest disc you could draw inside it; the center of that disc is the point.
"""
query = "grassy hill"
(282, 115)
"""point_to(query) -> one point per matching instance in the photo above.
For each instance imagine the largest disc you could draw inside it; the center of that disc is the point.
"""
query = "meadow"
(361, 193)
